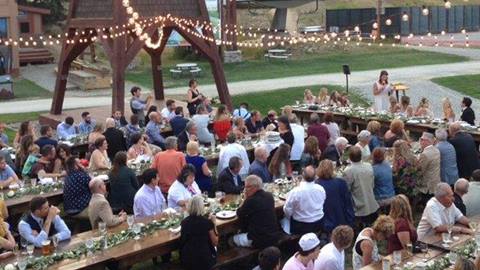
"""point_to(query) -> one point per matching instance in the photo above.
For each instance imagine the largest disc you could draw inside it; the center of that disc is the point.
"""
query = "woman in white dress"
(381, 91)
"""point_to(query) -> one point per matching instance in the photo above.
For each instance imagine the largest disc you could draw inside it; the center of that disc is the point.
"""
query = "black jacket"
(467, 156)
(331, 153)
(468, 115)
(227, 184)
(116, 142)
(459, 204)
(182, 141)
(258, 218)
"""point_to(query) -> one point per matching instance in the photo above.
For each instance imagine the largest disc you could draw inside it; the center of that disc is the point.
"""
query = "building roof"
(145, 8)
(42, 11)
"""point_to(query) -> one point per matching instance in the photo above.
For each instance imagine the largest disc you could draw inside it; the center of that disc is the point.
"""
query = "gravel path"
(417, 78)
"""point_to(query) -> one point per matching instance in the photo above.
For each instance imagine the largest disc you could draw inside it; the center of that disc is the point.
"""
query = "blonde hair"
(400, 208)
(311, 145)
(402, 149)
(374, 127)
(325, 169)
(287, 110)
(195, 206)
(384, 225)
(98, 127)
(192, 148)
(34, 148)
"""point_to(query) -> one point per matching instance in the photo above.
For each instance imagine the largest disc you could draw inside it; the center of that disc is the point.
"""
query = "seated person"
(233, 149)
(304, 205)
(3, 136)
(99, 159)
(120, 120)
(96, 133)
(259, 165)
(178, 122)
(229, 180)
(222, 123)
(440, 212)
(202, 120)
(305, 257)
(46, 134)
(269, 259)
(270, 119)
(187, 135)
(7, 175)
(258, 217)
(332, 255)
(254, 124)
(239, 128)
(7, 242)
(86, 126)
(242, 111)
(169, 111)
(42, 222)
(335, 151)
(99, 209)
(45, 166)
(139, 147)
(149, 200)
(184, 188)
(153, 130)
(76, 193)
(66, 129)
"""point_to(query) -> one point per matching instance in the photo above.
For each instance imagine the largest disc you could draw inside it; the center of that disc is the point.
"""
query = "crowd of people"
(368, 187)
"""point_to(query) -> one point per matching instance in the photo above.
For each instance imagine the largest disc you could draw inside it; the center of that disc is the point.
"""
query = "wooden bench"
(234, 255)
(195, 72)
(284, 57)
(176, 73)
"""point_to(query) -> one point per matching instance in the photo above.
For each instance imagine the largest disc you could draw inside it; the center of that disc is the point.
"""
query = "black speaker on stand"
(346, 71)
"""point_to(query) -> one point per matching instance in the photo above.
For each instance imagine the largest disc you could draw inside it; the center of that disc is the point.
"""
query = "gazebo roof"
(103, 9)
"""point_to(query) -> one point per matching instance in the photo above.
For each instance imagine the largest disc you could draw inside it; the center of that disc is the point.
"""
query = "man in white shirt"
(304, 205)
(233, 149)
(149, 200)
(169, 111)
(472, 198)
(298, 139)
(332, 255)
(440, 212)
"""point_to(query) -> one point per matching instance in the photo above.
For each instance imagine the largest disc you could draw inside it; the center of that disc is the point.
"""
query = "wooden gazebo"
(90, 18)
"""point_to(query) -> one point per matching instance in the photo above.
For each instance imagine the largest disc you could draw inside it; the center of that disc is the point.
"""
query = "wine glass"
(397, 257)
(55, 241)
(23, 243)
(450, 229)
(102, 227)
(30, 249)
(130, 221)
(445, 239)
(22, 263)
(425, 250)
(452, 257)
(473, 226)
(89, 244)
(136, 230)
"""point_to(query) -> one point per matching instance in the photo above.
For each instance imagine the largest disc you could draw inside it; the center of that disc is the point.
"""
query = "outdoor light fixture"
(388, 22)
(405, 16)
(425, 11)
(375, 25)
(448, 4)
(356, 29)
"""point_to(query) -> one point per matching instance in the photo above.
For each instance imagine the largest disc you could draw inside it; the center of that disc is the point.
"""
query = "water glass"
(33, 182)
(446, 238)
(89, 244)
(102, 227)
(55, 241)
(130, 221)
(477, 239)
(22, 263)
(136, 230)
(452, 257)
(397, 257)
(30, 249)
(473, 226)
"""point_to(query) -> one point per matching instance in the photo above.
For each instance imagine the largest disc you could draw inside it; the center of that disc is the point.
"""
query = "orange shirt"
(168, 164)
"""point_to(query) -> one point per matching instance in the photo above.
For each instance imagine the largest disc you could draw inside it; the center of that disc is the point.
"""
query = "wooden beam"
(137, 44)
(89, 22)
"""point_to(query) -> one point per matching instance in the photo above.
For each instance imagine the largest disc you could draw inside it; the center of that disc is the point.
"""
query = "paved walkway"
(417, 77)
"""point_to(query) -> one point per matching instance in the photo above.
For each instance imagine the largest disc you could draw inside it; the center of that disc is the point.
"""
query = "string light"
(405, 16)
(388, 22)
(425, 11)
(447, 4)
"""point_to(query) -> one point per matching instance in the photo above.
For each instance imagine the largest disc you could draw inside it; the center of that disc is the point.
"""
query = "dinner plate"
(226, 214)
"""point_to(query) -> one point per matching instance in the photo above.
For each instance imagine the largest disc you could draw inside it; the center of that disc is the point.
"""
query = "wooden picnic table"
(132, 252)
(18, 206)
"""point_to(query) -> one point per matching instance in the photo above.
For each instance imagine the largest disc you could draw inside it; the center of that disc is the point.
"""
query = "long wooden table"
(21, 205)
(351, 125)
(132, 252)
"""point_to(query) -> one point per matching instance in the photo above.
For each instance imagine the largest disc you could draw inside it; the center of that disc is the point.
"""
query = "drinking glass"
(424, 249)
(55, 241)
(130, 221)
(102, 227)
(89, 244)
(397, 257)
(22, 263)
(445, 238)
(477, 239)
(136, 230)
(30, 249)
(205, 195)
(473, 226)
(23, 243)
(452, 257)
(450, 229)
(33, 182)
(297, 102)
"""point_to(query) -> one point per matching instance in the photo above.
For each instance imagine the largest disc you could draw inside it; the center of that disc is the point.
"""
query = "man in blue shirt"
(153, 130)
(179, 122)
(3, 136)
(87, 124)
(46, 134)
(259, 165)
(42, 223)
(7, 175)
(66, 129)
(448, 158)
(242, 111)
(138, 106)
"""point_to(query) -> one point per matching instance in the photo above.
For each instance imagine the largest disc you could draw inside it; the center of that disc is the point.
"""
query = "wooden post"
(61, 82)
(379, 19)
(232, 14)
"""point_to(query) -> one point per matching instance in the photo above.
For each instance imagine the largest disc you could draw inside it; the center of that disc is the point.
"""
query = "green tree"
(56, 7)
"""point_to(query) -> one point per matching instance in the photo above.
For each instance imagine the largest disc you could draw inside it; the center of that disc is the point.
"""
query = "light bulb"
(448, 4)
(405, 17)
(375, 25)
(425, 11)
(388, 22)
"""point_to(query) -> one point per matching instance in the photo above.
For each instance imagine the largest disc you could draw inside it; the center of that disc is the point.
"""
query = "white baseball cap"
(309, 241)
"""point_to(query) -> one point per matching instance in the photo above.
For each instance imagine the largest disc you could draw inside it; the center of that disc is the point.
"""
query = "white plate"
(413, 122)
(226, 214)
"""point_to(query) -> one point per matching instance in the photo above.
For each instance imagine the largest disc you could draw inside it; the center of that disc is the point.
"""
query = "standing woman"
(25, 129)
(198, 237)
(280, 165)
(381, 91)
(285, 130)
(448, 114)
(194, 97)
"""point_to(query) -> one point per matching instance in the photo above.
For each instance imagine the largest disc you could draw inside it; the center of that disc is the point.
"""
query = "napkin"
(175, 230)
(46, 181)
(170, 211)
(14, 186)
(104, 177)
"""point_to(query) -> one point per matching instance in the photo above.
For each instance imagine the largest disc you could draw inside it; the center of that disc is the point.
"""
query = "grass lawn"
(25, 89)
(362, 58)
(265, 101)
(465, 84)
(15, 118)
